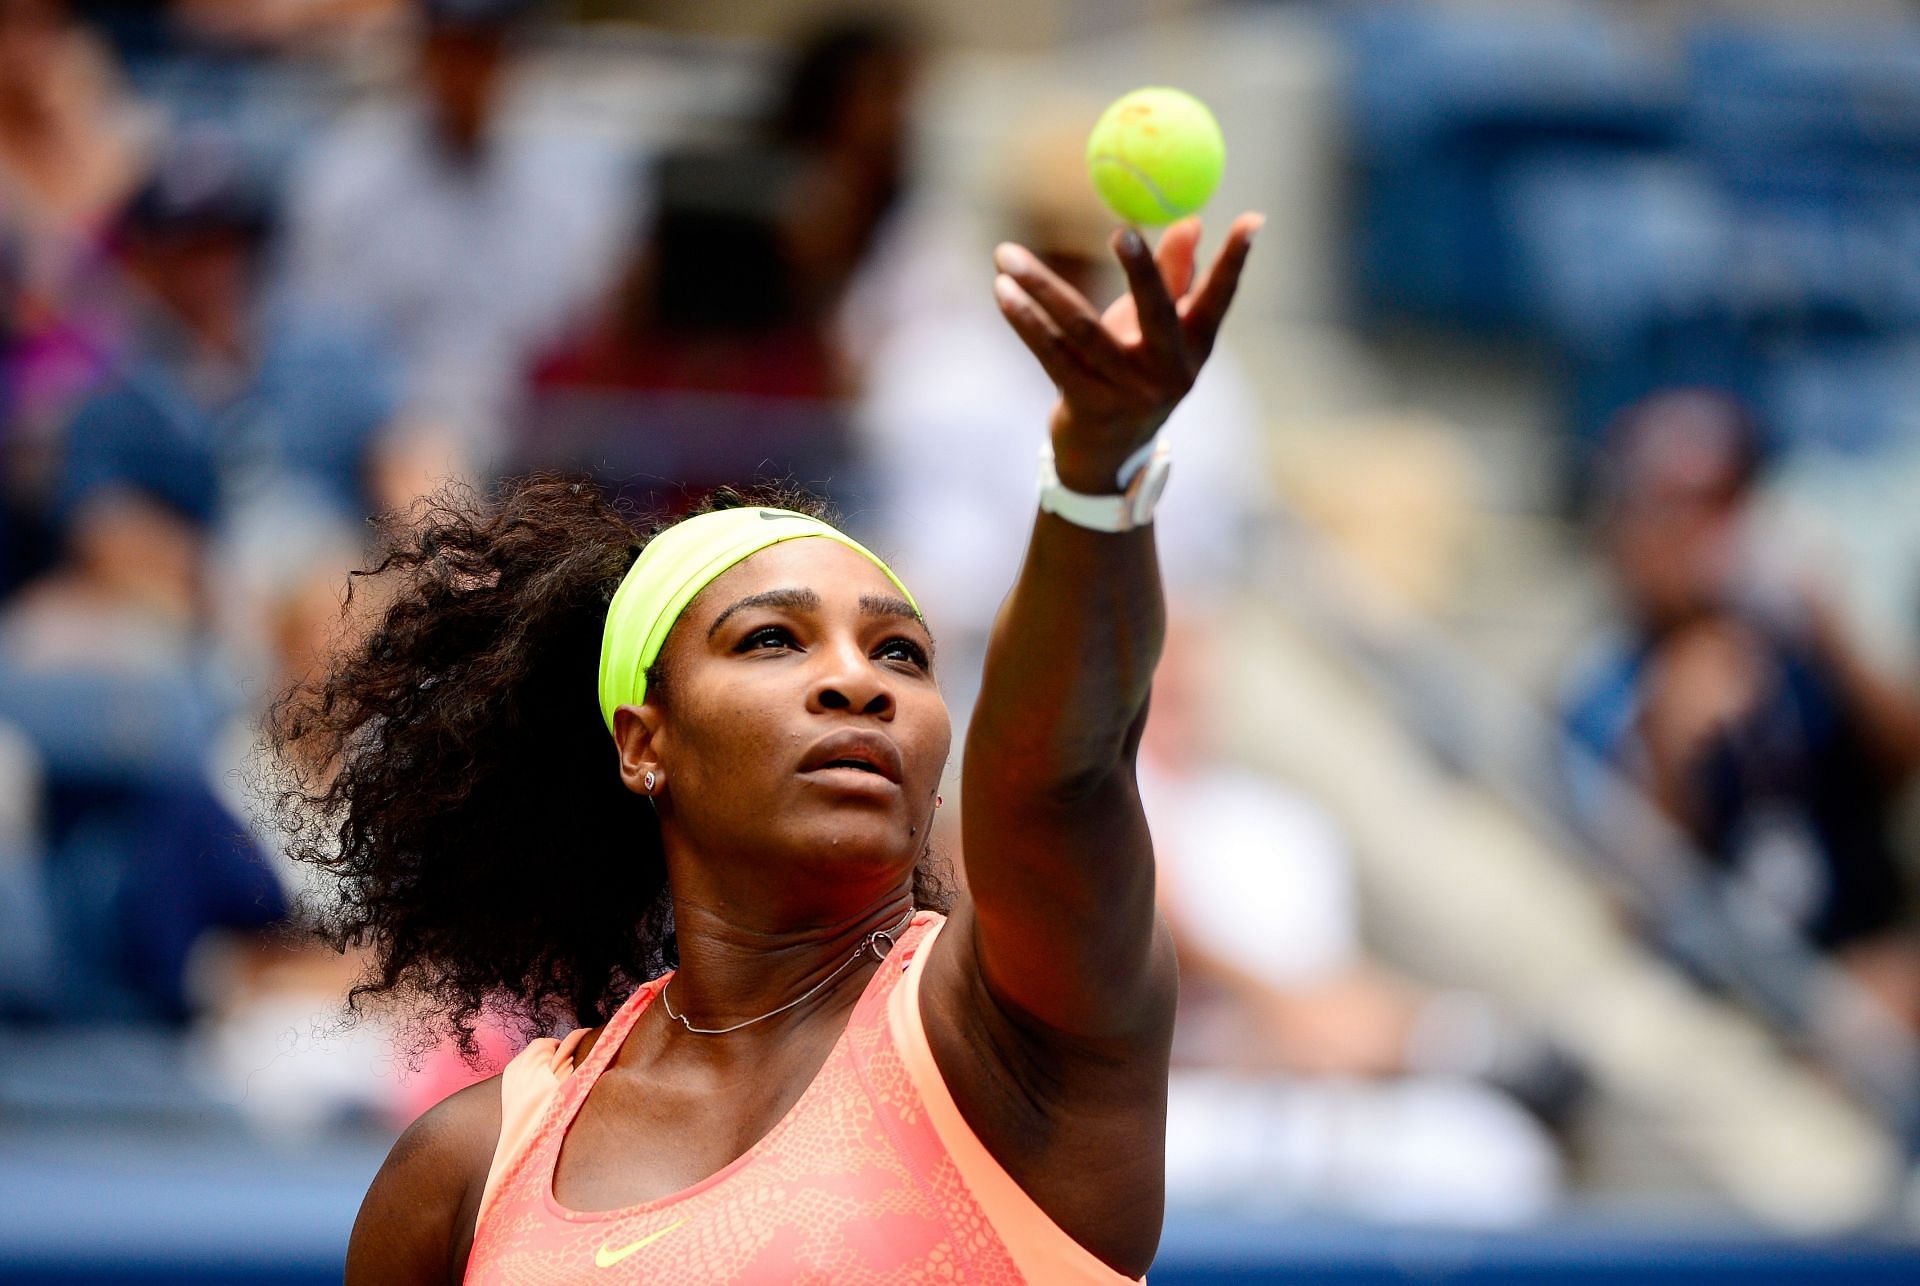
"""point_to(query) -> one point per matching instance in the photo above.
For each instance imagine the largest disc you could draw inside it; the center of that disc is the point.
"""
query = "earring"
(939, 800)
(648, 781)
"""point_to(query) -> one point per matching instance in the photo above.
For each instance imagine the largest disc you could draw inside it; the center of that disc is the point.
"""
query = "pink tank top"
(872, 1176)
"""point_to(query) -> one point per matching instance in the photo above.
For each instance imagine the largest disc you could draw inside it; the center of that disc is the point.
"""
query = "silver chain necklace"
(868, 944)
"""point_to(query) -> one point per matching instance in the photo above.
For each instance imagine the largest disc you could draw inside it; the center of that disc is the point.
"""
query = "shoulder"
(461, 1126)
(417, 1218)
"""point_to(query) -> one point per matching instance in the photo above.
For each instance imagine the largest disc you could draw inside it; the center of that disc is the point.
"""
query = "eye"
(903, 649)
(765, 638)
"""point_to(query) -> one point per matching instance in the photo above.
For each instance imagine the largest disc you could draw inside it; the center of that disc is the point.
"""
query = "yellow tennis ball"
(1156, 155)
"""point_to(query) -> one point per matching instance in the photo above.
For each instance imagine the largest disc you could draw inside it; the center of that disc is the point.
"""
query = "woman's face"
(800, 718)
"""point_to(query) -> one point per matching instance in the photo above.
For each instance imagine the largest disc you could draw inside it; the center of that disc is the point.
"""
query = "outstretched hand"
(1121, 372)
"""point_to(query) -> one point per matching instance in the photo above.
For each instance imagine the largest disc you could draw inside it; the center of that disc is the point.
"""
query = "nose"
(847, 679)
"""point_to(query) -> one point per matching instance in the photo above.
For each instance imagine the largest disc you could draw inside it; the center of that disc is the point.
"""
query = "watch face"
(1152, 481)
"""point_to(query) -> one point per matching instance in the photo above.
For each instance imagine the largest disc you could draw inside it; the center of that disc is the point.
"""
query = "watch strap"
(1142, 478)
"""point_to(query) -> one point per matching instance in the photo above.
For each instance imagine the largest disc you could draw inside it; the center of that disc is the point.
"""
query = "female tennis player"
(805, 1059)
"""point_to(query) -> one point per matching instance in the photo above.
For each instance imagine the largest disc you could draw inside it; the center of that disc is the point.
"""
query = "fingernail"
(1005, 288)
(1010, 258)
(1259, 222)
(1131, 242)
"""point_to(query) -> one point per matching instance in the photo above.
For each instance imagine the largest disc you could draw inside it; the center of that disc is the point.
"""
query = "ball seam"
(1153, 189)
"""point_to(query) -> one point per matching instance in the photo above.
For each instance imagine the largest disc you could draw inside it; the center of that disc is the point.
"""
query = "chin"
(852, 839)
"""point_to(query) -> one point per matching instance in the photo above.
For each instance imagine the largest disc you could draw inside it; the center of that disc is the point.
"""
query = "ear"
(636, 734)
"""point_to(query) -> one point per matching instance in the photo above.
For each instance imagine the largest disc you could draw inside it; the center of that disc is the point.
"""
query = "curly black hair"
(452, 773)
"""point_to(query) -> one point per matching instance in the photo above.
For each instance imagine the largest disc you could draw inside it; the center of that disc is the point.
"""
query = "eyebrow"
(898, 609)
(805, 600)
(887, 605)
(799, 600)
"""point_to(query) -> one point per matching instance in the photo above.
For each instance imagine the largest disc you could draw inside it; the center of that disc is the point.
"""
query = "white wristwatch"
(1141, 479)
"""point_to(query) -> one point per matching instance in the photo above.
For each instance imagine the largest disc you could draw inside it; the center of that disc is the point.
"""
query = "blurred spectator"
(271, 1040)
(465, 242)
(1308, 1076)
(286, 616)
(149, 33)
(70, 147)
(215, 396)
(843, 112)
(249, 24)
(70, 155)
(717, 361)
(109, 660)
(105, 667)
(1732, 692)
(139, 477)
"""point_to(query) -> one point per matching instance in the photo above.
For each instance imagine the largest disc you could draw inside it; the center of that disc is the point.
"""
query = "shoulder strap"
(527, 1086)
(534, 1079)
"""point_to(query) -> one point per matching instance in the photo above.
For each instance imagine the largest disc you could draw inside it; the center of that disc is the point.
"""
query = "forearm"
(1073, 650)
(1059, 860)
(1070, 662)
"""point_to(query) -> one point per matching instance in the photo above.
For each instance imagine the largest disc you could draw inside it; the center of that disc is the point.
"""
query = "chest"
(656, 1128)
(670, 1186)
(677, 1185)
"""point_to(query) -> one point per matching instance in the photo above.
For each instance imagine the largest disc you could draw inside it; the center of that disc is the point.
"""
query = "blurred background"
(1532, 764)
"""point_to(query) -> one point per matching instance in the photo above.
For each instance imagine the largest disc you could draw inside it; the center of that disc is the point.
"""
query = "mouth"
(867, 754)
(858, 765)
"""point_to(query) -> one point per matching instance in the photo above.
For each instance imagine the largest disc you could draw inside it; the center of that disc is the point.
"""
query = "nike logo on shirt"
(607, 1258)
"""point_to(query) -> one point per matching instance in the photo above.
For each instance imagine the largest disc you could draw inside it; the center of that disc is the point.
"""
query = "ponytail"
(451, 774)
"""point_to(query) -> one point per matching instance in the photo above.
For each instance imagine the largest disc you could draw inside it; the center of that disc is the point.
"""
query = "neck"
(736, 966)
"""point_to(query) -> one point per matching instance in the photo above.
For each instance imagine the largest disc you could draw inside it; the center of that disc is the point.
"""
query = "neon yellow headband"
(675, 566)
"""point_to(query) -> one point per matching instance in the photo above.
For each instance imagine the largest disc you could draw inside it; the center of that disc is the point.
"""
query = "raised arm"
(1059, 863)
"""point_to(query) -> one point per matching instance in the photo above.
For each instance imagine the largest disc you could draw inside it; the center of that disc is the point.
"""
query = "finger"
(1071, 314)
(1175, 256)
(1159, 321)
(1208, 306)
(1038, 332)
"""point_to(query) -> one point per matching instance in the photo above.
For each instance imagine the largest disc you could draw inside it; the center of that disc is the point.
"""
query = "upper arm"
(1068, 933)
(1051, 1107)
(416, 1224)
